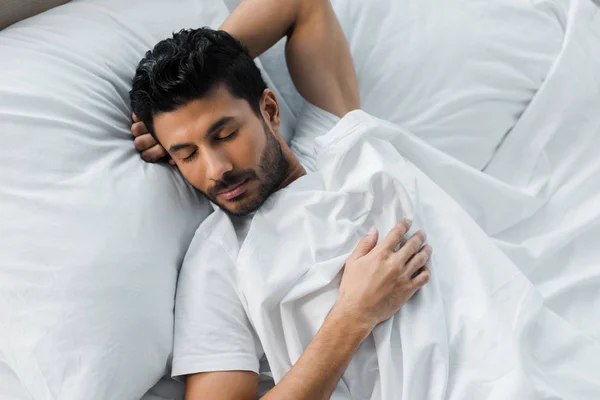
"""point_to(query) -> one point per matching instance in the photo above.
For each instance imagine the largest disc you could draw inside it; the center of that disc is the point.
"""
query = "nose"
(217, 165)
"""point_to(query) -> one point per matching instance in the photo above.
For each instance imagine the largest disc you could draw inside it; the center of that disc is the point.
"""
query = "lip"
(235, 191)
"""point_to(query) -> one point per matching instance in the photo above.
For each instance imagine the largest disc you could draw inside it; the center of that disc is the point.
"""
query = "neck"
(295, 170)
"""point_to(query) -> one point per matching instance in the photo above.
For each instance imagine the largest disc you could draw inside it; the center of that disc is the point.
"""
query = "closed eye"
(190, 157)
(228, 137)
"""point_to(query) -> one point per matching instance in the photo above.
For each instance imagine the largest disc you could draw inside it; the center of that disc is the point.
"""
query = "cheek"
(246, 157)
(193, 173)
(247, 152)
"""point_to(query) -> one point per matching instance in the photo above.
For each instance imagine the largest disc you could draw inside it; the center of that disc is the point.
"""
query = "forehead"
(195, 117)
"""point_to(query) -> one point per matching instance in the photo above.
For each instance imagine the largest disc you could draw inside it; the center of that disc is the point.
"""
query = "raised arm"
(317, 53)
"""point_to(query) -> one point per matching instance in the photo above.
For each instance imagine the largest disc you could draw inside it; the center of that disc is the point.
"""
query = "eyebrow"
(218, 125)
(176, 147)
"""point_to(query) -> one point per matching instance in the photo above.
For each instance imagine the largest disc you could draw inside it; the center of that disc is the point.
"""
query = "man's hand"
(378, 280)
(149, 148)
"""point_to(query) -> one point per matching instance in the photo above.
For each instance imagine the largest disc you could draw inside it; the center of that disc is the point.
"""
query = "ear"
(270, 110)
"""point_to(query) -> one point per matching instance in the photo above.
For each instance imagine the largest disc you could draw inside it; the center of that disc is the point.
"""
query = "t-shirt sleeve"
(212, 330)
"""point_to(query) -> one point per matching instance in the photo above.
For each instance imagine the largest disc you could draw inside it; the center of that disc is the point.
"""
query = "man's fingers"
(411, 247)
(172, 162)
(150, 150)
(365, 245)
(135, 117)
(144, 142)
(154, 153)
(422, 278)
(418, 261)
(138, 129)
(395, 236)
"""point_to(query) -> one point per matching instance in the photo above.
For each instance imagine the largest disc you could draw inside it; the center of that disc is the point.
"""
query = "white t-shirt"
(212, 330)
(265, 378)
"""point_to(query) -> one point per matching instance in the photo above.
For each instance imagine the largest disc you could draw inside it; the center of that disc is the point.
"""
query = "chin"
(242, 207)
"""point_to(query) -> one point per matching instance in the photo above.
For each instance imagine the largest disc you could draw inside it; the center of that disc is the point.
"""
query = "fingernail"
(409, 222)
(372, 230)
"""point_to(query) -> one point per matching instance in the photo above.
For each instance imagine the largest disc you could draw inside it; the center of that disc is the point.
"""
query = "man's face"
(225, 150)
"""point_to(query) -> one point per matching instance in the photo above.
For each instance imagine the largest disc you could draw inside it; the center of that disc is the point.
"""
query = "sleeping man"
(262, 297)
(203, 99)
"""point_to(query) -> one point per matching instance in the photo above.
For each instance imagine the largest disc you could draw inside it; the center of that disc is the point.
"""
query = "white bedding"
(91, 237)
(538, 197)
(480, 329)
(551, 167)
(539, 194)
(512, 310)
(456, 73)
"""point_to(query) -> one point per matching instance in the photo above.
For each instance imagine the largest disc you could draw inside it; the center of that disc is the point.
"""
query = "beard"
(272, 171)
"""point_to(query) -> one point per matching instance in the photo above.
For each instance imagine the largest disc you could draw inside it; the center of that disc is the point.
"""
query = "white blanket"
(539, 197)
(478, 330)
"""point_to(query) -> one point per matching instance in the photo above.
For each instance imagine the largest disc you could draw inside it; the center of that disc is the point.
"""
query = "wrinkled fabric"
(479, 329)
(511, 311)
(456, 73)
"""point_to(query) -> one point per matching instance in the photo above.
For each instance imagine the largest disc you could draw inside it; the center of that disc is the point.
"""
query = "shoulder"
(212, 331)
(208, 268)
(215, 233)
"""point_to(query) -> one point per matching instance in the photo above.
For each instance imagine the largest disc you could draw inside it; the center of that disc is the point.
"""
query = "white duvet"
(512, 308)
(480, 329)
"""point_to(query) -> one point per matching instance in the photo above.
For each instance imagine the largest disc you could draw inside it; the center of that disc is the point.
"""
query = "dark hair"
(188, 65)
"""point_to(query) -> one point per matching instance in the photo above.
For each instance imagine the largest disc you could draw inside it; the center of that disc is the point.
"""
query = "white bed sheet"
(545, 209)
(480, 329)
(10, 386)
(456, 73)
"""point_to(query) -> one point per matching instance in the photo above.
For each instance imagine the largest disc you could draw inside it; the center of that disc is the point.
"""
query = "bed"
(506, 92)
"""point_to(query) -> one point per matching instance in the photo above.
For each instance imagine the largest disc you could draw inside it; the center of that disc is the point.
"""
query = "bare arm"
(317, 53)
(322, 364)
(377, 281)
(222, 385)
(314, 376)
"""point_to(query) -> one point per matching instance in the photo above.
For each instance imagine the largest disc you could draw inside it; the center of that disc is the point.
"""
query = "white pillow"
(92, 237)
(457, 73)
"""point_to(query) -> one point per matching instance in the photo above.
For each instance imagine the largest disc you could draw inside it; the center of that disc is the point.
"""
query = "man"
(199, 99)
